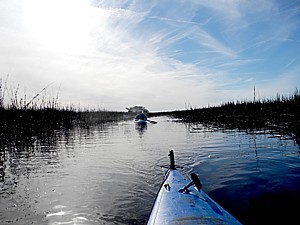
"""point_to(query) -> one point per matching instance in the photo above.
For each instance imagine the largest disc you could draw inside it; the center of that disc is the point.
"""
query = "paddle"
(151, 121)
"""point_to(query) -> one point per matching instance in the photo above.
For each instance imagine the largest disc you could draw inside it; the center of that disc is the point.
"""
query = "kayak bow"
(180, 201)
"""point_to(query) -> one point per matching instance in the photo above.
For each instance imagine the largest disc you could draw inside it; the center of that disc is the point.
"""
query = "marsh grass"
(280, 114)
(23, 120)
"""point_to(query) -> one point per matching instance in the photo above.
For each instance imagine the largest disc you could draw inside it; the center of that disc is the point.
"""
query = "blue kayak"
(181, 201)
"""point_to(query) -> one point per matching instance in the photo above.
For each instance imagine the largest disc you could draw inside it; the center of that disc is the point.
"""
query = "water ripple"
(110, 174)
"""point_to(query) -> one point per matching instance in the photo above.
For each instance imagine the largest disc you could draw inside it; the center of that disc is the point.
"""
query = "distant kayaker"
(141, 116)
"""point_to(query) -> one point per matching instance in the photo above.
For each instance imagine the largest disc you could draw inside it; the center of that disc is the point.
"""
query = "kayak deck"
(176, 204)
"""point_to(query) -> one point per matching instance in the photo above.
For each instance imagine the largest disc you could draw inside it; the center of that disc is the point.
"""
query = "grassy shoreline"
(38, 117)
(20, 126)
(23, 119)
(281, 115)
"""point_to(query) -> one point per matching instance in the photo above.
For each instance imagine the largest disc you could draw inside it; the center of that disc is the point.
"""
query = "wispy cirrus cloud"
(119, 53)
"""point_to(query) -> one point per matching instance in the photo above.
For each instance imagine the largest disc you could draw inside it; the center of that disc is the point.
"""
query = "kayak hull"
(141, 122)
(192, 206)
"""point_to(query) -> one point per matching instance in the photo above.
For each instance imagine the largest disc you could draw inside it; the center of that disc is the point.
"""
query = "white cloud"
(125, 53)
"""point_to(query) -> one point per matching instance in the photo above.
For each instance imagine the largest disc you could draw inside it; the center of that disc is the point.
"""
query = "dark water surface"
(110, 174)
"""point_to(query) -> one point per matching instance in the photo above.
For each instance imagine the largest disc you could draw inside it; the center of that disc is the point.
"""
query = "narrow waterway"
(110, 174)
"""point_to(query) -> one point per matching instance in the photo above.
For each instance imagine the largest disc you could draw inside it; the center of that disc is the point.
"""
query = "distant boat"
(180, 201)
(141, 119)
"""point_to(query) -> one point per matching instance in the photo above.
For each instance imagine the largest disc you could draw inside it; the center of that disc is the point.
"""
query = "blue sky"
(163, 54)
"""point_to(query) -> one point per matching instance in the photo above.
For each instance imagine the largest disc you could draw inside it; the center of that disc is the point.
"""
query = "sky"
(161, 54)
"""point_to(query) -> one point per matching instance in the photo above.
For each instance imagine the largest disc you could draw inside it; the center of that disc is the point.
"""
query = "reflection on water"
(141, 128)
(110, 174)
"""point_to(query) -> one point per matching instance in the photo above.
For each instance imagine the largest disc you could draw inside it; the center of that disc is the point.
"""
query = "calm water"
(110, 174)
